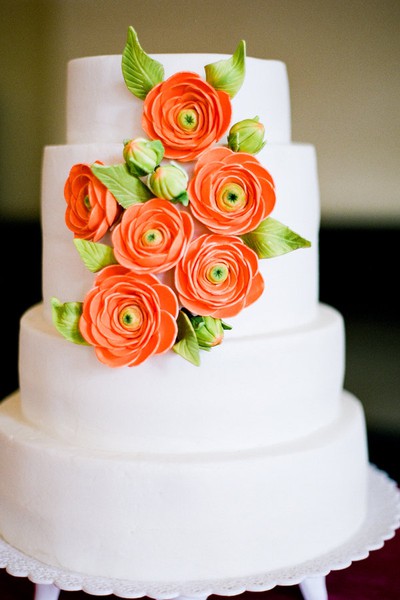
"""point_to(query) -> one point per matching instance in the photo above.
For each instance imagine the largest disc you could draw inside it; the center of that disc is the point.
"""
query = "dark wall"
(20, 287)
(358, 269)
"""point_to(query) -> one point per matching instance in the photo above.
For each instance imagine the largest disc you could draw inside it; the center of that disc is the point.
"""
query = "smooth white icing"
(291, 281)
(100, 108)
(181, 517)
(241, 396)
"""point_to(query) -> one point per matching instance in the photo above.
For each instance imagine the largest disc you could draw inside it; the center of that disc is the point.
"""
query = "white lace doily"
(383, 519)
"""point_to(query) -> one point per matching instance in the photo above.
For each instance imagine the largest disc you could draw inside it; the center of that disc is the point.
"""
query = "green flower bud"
(247, 136)
(209, 331)
(142, 156)
(169, 182)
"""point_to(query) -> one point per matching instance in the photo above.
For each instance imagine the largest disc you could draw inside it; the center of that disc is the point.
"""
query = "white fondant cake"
(255, 460)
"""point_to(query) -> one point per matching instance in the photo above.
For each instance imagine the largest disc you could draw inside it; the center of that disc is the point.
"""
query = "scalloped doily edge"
(383, 519)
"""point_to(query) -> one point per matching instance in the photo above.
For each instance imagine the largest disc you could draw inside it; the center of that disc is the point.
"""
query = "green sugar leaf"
(94, 255)
(181, 198)
(125, 187)
(187, 345)
(66, 320)
(272, 238)
(141, 72)
(228, 74)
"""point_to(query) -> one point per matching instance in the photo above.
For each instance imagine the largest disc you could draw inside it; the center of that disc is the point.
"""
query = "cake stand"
(383, 518)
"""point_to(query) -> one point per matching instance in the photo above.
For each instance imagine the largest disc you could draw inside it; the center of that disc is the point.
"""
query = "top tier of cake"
(100, 108)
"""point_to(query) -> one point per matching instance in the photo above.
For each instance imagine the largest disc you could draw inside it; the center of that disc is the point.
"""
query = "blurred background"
(343, 64)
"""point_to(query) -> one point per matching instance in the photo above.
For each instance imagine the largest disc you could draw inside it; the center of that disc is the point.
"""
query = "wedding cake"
(181, 413)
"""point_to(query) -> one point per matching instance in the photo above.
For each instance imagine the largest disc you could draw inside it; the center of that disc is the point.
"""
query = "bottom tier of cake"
(181, 517)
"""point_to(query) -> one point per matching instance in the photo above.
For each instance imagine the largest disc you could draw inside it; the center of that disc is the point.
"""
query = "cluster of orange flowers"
(131, 312)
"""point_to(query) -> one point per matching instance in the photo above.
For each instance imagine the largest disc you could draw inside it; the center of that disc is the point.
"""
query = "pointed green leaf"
(95, 256)
(181, 198)
(228, 74)
(187, 345)
(66, 320)
(272, 238)
(141, 72)
(126, 188)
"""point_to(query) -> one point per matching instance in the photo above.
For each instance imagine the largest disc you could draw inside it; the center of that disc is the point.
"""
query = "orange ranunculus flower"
(128, 317)
(91, 207)
(187, 114)
(230, 192)
(218, 276)
(152, 236)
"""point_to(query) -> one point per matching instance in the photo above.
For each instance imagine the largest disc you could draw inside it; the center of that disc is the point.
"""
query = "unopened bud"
(142, 156)
(247, 136)
(169, 182)
(209, 331)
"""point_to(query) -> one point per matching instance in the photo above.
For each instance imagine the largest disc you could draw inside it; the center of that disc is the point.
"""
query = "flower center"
(231, 197)
(86, 202)
(187, 119)
(152, 237)
(131, 317)
(218, 273)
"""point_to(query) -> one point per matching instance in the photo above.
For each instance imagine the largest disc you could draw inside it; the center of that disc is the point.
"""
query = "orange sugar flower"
(128, 317)
(230, 192)
(218, 276)
(186, 114)
(91, 207)
(152, 236)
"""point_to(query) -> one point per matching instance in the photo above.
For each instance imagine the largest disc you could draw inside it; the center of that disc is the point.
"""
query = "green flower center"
(231, 197)
(131, 317)
(187, 119)
(218, 273)
(86, 202)
(152, 237)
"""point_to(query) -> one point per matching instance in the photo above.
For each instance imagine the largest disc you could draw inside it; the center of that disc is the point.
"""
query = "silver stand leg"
(46, 591)
(314, 588)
